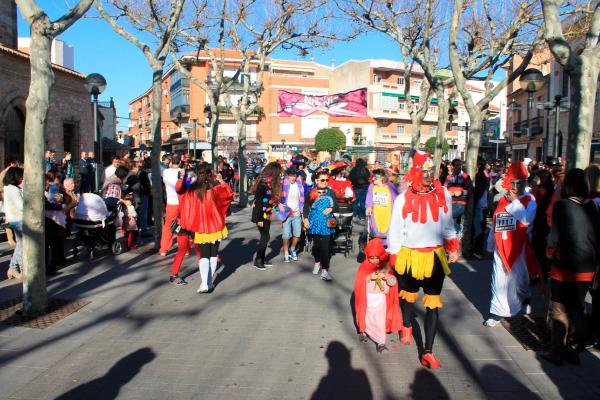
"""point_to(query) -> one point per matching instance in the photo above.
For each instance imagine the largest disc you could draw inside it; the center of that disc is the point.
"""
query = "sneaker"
(428, 360)
(267, 264)
(381, 348)
(202, 290)
(317, 268)
(177, 281)
(527, 309)
(162, 254)
(363, 337)
(293, 255)
(286, 259)
(325, 275)
(259, 265)
(491, 322)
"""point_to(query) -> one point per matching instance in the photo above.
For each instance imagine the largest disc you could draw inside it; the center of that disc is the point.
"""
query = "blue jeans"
(292, 227)
(16, 261)
(358, 207)
(457, 212)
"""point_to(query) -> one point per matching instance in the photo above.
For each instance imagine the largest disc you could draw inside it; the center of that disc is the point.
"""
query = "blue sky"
(99, 49)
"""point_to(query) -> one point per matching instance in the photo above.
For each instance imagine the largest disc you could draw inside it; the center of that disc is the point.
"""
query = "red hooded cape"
(393, 320)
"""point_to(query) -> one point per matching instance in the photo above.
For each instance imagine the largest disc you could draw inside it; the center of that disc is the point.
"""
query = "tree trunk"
(584, 82)
(35, 298)
(241, 132)
(214, 132)
(441, 131)
(415, 139)
(157, 192)
(472, 155)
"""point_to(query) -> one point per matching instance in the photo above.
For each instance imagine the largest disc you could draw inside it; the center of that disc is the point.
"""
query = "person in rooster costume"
(509, 240)
(376, 296)
(421, 233)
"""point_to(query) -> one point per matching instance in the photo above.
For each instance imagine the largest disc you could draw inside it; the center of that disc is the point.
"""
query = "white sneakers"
(317, 268)
(491, 322)
(325, 275)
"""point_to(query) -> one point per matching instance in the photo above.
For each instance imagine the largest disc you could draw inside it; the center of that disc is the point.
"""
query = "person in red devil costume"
(509, 240)
(421, 233)
(376, 296)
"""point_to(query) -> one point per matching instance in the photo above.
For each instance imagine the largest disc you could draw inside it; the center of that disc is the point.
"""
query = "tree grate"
(11, 312)
(530, 331)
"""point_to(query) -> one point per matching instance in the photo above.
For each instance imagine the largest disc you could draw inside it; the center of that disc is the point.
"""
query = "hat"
(291, 171)
(337, 165)
(553, 162)
(375, 249)
(517, 171)
(422, 160)
(295, 150)
(527, 161)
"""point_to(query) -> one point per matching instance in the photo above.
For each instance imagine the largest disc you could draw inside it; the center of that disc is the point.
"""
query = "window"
(389, 103)
(432, 131)
(376, 78)
(286, 129)
(417, 84)
(400, 129)
(400, 80)
(401, 104)
(432, 110)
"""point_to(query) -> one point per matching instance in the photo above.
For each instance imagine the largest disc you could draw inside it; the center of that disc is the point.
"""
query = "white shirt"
(91, 207)
(293, 199)
(170, 177)
(414, 235)
(109, 171)
(13, 203)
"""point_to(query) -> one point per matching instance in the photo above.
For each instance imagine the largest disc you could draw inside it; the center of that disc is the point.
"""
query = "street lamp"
(283, 149)
(531, 81)
(194, 128)
(95, 84)
(208, 115)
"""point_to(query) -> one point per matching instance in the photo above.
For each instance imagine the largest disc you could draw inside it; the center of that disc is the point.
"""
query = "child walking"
(376, 296)
(130, 228)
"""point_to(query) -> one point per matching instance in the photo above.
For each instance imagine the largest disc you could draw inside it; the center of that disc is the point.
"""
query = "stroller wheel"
(116, 248)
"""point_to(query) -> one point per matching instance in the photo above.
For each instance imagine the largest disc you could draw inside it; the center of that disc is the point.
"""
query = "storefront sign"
(520, 146)
(351, 104)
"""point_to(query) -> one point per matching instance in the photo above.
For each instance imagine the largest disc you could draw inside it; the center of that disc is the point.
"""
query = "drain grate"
(530, 331)
(10, 312)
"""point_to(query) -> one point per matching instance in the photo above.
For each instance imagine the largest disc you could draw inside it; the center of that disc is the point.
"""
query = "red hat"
(375, 249)
(517, 171)
(337, 165)
(421, 161)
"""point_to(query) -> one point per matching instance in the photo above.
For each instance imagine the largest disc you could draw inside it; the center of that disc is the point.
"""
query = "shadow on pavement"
(235, 255)
(497, 380)
(427, 386)
(342, 381)
(465, 274)
(109, 385)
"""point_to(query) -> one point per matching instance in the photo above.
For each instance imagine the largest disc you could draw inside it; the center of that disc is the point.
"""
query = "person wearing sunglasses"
(422, 241)
(319, 205)
(509, 240)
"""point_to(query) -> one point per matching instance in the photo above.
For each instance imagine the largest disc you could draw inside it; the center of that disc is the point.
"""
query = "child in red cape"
(376, 296)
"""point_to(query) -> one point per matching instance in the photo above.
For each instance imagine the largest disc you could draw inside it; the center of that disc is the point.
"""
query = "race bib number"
(505, 222)
(381, 199)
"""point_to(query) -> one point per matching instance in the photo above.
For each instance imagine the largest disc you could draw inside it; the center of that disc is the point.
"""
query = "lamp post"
(531, 81)
(283, 149)
(95, 84)
(195, 141)
(557, 100)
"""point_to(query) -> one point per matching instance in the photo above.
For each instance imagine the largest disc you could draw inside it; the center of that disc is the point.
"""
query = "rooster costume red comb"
(417, 197)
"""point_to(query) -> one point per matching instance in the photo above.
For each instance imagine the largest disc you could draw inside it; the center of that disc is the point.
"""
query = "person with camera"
(13, 209)
(170, 177)
(319, 205)
(203, 202)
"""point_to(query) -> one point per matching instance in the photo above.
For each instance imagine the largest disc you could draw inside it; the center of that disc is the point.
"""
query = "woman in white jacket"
(13, 210)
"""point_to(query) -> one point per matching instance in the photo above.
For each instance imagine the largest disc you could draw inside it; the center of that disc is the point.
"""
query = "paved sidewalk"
(278, 334)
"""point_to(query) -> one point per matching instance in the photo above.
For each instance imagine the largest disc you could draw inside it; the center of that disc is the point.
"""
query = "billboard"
(349, 104)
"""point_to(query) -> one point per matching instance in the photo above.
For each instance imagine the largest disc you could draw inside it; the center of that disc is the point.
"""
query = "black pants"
(208, 250)
(264, 240)
(595, 312)
(55, 245)
(566, 311)
(320, 250)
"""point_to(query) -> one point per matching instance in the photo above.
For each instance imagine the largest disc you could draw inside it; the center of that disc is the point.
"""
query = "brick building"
(69, 126)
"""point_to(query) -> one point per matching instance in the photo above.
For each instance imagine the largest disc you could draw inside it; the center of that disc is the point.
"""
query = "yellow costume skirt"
(420, 263)
(201, 238)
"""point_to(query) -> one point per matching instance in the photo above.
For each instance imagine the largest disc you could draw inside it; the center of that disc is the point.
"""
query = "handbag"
(332, 222)
(178, 230)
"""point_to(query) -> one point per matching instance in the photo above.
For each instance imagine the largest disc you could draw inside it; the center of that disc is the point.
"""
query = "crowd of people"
(539, 222)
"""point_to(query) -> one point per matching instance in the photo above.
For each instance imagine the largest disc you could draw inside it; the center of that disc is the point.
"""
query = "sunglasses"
(427, 174)
(322, 180)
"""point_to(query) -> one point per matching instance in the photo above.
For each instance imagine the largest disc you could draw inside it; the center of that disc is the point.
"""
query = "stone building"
(69, 126)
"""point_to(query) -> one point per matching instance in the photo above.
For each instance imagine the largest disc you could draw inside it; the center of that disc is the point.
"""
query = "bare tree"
(580, 59)
(157, 20)
(491, 37)
(415, 26)
(43, 31)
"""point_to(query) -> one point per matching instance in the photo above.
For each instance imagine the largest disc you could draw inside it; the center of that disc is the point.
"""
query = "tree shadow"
(502, 383)
(235, 255)
(342, 381)
(109, 385)
(464, 276)
(427, 386)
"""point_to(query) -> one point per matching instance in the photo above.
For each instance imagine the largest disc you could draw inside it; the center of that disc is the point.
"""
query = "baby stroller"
(342, 238)
(96, 225)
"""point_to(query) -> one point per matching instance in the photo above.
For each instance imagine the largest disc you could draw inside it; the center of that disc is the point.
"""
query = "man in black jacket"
(360, 176)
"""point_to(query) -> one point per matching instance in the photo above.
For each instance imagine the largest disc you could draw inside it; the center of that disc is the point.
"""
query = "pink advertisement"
(349, 104)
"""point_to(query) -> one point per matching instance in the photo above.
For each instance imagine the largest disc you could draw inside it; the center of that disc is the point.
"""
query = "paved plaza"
(278, 334)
